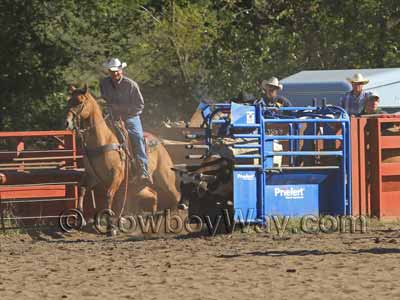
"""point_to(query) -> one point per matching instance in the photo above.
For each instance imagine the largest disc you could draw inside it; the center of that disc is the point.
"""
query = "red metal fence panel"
(376, 166)
(384, 158)
(360, 195)
(38, 174)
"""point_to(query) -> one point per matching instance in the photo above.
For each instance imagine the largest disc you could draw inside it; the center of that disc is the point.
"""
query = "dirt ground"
(238, 266)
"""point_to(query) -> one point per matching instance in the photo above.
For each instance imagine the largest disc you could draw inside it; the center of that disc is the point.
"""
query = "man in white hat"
(372, 105)
(126, 101)
(353, 102)
(271, 98)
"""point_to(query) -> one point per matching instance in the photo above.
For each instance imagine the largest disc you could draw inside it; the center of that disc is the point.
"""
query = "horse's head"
(79, 106)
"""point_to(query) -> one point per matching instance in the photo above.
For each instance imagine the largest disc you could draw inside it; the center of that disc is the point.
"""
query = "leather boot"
(144, 176)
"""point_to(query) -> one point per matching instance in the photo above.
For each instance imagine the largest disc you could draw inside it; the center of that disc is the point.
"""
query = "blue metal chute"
(266, 186)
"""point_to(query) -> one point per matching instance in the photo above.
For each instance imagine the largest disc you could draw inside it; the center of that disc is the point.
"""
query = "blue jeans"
(135, 131)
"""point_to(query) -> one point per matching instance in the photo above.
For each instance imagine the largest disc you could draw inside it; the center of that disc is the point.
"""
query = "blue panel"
(297, 178)
(294, 194)
(205, 108)
(243, 114)
(331, 195)
(292, 200)
(245, 194)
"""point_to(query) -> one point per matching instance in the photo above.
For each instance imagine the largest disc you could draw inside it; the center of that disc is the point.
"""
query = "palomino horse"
(105, 163)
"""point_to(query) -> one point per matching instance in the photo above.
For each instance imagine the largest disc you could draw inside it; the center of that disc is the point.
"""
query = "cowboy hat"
(273, 81)
(358, 78)
(114, 64)
(373, 96)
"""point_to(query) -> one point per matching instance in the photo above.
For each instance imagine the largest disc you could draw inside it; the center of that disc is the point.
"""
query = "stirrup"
(133, 179)
(146, 179)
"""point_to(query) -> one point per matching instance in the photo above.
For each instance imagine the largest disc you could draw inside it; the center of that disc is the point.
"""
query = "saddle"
(120, 131)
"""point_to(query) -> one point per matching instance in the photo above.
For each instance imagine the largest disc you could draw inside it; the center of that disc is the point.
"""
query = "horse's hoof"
(183, 206)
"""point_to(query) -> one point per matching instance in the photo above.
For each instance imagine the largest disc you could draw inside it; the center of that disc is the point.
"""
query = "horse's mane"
(96, 107)
(98, 111)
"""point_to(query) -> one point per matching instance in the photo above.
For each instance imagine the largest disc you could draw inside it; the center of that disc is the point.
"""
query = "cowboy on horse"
(123, 95)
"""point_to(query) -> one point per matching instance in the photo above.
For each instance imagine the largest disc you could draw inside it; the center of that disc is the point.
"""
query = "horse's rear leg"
(148, 197)
(165, 179)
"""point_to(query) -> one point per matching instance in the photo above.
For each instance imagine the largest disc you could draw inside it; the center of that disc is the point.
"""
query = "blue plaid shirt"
(352, 104)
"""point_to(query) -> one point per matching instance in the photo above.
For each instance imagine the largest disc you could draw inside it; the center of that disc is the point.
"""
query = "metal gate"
(298, 159)
(38, 177)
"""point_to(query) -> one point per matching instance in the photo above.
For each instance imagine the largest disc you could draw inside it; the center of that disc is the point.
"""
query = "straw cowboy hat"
(358, 78)
(114, 64)
(273, 81)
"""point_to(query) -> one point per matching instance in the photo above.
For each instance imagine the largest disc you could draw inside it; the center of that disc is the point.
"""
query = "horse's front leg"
(83, 189)
(82, 193)
(117, 178)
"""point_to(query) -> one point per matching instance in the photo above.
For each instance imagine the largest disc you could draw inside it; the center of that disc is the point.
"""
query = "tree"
(179, 50)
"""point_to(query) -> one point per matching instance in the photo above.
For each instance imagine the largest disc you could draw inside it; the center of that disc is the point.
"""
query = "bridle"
(76, 113)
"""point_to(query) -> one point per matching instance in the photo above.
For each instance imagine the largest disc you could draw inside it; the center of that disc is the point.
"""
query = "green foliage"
(179, 50)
